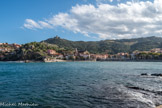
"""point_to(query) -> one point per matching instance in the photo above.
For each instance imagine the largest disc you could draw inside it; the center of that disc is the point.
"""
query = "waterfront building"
(122, 55)
(60, 56)
(84, 54)
(99, 56)
(156, 50)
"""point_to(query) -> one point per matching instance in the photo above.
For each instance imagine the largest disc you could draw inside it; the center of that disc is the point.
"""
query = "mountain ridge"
(109, 46)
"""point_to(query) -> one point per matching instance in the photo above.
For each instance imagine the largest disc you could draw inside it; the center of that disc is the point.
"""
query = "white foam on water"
(140, 97)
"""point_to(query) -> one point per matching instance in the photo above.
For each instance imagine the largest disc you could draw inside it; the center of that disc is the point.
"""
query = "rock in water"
(144, 74)
(156, 74)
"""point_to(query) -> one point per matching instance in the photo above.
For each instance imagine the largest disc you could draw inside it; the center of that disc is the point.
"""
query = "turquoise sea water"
(81, 84)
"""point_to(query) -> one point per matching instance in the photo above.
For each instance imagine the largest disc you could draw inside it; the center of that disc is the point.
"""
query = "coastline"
(33, 61)
(131, 60)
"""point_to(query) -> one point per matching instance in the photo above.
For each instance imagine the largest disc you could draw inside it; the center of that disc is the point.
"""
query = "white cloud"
(31, 24)
(44, 24)
(103, 1)
(125, 20)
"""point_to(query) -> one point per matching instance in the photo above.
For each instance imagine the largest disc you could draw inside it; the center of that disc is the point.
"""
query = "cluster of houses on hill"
(156, 50)
(5, 47)
(75, 55)
(85, 55)
(155, 53)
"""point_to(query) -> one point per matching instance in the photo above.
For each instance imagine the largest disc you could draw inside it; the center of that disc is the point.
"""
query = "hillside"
(31, 51)
(109, 46)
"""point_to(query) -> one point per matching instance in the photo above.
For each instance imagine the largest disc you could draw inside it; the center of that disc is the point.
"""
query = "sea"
(80, 85)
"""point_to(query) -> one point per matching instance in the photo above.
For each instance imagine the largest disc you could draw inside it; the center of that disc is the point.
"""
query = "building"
(84, 54)
(4, 49)
(3, 43)
(99, 56)
(51, 52)
(76, 53)
(60, 56)
(156, 50)
(16, 46)
(122, 55)
(134, 54)
(70, 57)
(81, 54)
(1, 49)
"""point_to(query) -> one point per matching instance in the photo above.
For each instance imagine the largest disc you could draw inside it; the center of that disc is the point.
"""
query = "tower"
(76, 52)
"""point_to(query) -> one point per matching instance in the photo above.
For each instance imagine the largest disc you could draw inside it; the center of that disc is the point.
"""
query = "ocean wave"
(150, 97)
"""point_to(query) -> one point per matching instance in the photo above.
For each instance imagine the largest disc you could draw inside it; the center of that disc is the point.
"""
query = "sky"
(23, 21)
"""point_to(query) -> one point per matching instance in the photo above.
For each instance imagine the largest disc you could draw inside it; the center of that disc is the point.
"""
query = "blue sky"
(23, 21)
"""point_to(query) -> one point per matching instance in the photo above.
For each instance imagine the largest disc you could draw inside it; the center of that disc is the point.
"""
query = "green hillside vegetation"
(32, 51)
(109, 46)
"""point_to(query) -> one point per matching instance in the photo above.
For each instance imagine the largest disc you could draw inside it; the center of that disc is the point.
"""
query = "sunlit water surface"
(82, 84)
